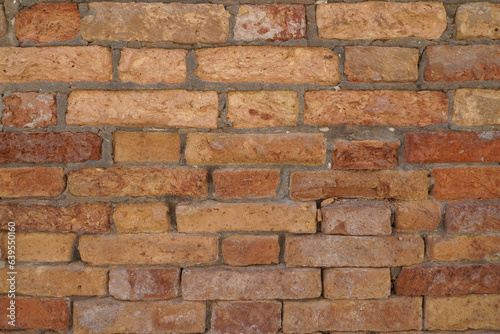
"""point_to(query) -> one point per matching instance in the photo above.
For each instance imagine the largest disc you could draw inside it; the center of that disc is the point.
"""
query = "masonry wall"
(253, 167)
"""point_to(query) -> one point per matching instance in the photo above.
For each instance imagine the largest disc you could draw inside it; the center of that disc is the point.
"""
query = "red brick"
(29, 110)
(478, 20)
(270, 22)
(46, 313)
(314, 185)
(138, 181)
(40, 247)
(142, 217)
(459, 183)
(245, 183)
(66, 147)
(56, 63)
(75, 217)
(383, 107)
(467, 247)
(254, 283)
(476, 107)
(364, 154)
(363, 283)
(448, 280)
(245, 250)
(356, 218)
(148, 249)
(451, 147)
(402, 313)
(48, 22)
(472, 217)
(31, 182)
(417, 216)
(146, 147)
(264, 149)
(112, 316)
(463, 63)
(144, 283)
(342, 251)
(246, 317)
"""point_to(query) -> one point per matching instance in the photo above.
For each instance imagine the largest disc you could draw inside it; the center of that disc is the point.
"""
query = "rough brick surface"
(29, 110)
(268, 64)
(363, 283)
(473, 217)
(245, 183)
(476, 107)
(458, 183)
(343, 251)
(146, 147)
(48, 22)
(3, 22)
(55, 63)
(467, 247)
(148, 249)
(364, 154)
(244, 250)
(210, 216)
(172, 108)
(142, 217)
(156, 22)
(40, 247)
(264, 149)
(138, 181)
(478, 20)
(236, 284)
(270, 22)
(31, 181)
(384, 107)
(414, 216)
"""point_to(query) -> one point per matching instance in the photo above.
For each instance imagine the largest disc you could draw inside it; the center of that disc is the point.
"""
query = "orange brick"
(466, 247)
(244, 250)
(417, 216)
(476, 107)
(478, 20)
(40, 247)
(246, 183)
(30, 110)
(472, 217)
(364, 154)
(142, 217)
(146, 147)
(31, 181)
(458, 183)
(360, 283)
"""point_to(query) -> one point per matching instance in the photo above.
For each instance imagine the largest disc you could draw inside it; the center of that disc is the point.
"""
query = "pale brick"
(148, 249)
(478, 20)
(30, 110)
(55, 63)
(244, 250)
(31, 182)
(3, 22)
(417, 216)
(476, 107)
(40, 247)
(162, 108)
(245, 183)
(458, 183)
(473, 217)
(255, 283)
(364, 154)
(211, 216)
(360, 283)
(467, 247)
(262, 109)
(268, 64)
(146, 147)
(142, 217)
(342, 251)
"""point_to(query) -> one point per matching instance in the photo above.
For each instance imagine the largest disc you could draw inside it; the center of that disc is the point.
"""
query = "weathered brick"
(142, 217)
(383, 107)
(40, 247)
(448, 280)
(262, 109)
(463, 63)
(163, 108)
(31, 181)
(417, 216)
(356, 218)
(29, 110)
(46, 313)
(156, 22)
(246, 317)
(245, 183)
(450, 147)
(211, 216)
(402, 313)
(314, 185)
(163, 316)
(467, 247)
(146, 66)
(472, 217)
(462, 312)
(56, 63)
(50, 147)
(138, 181)
(144, 283)
(476, 107)
(478, 20)
(75, 217)
(364, 154)
(363, 283)
(146, 147)
(235, 284)
(381, 20)
(341, 251)
(458, 183)
(264, 149)
(148, 249)
(3, 22)
(381, 64)
(270, 22)
(48, 22)
(268, 64)
(245, 250)
(58, 281)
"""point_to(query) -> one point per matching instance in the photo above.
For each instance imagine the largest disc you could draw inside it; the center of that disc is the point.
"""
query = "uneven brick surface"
(413, 216)
(3, 22)
(40, 247)
(245, 183)
(458, 183)
(146, 147)
(363, 283)
(478, 20)
(476, 107)
(142, 217)
(472, 217)
(364, 154)
(31, 181)
(466, 247)
(29, 110)
(244, 250)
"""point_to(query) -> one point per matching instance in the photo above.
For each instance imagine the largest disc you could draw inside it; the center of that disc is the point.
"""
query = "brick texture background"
(251, 166)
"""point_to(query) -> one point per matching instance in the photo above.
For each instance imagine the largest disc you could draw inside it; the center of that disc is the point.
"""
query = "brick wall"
(216, 167)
